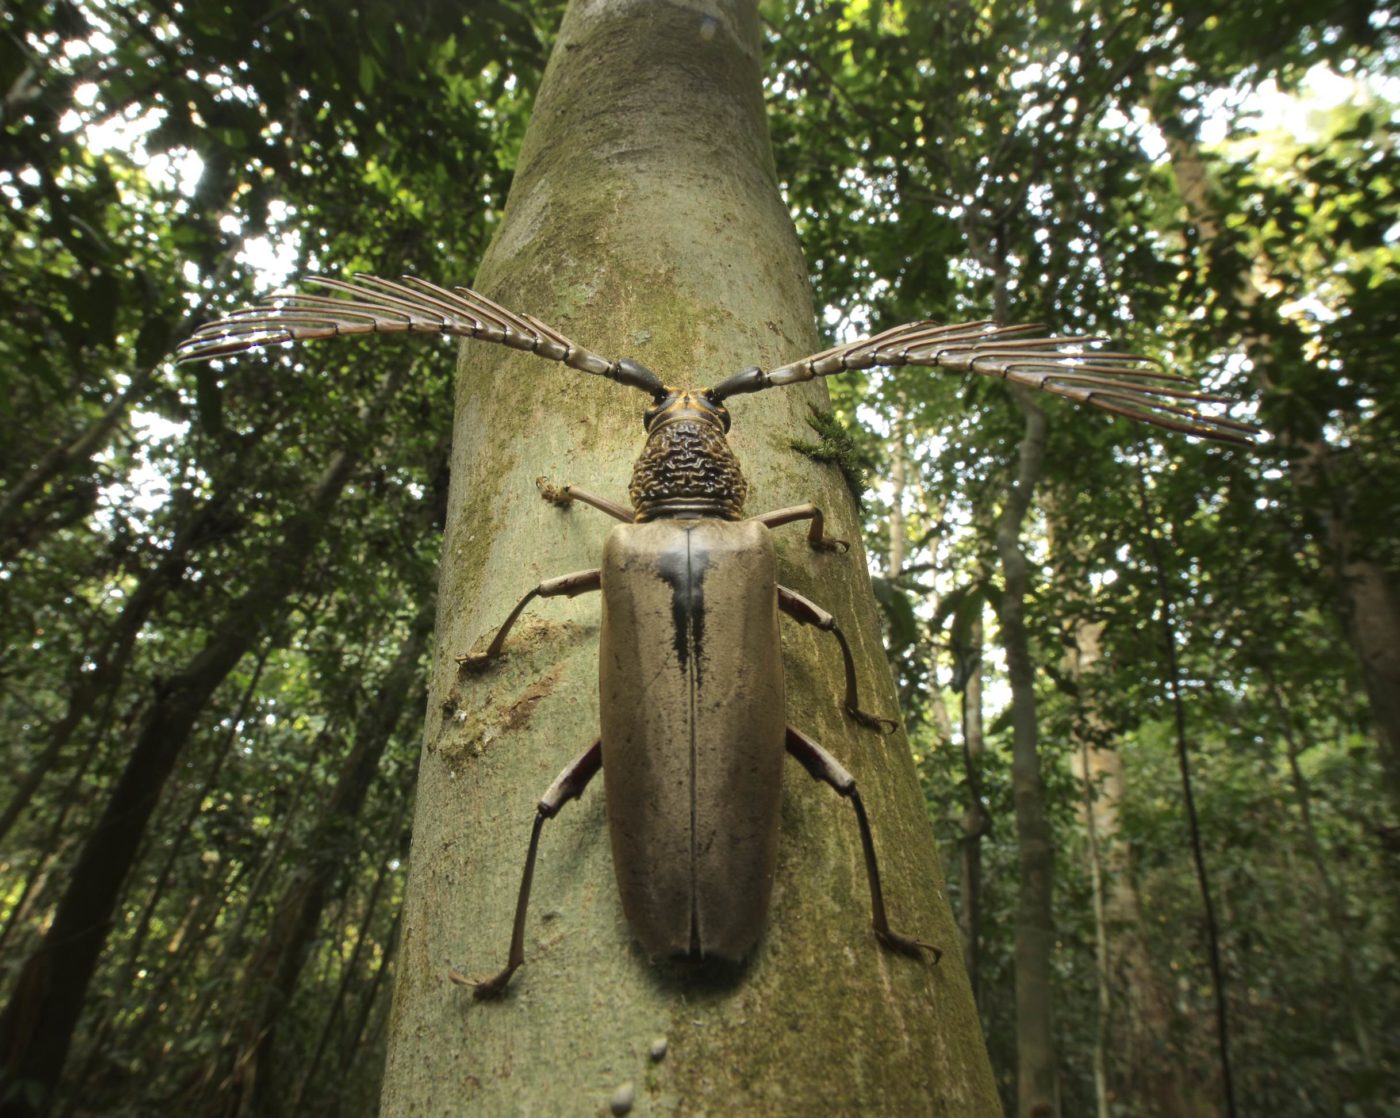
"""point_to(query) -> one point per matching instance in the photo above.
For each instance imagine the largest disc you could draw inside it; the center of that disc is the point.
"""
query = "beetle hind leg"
(822, 766)
(568, 785)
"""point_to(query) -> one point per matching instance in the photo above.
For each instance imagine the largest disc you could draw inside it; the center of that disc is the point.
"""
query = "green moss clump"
(837, 445)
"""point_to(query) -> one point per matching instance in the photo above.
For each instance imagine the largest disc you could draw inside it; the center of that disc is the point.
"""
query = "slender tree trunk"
(933, 697)
(1337, 917)
(1155, 1075)
(1037, 1085)
(75, 455)
(65, 457)
(184, 949)
(1103, 1007)
(976, 822)
(37, 1025)
(375, 1001)
(1215, 955)
(348, 969)
(644, 220)
(898, 472)
(35, 888)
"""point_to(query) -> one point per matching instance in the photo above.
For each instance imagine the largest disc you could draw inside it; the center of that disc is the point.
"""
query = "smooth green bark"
(645, 221)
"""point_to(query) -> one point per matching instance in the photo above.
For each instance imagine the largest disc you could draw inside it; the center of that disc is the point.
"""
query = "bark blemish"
(518, 714)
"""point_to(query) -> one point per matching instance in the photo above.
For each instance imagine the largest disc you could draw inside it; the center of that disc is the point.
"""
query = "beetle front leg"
(822, 766)
(816, 534)
(809, 613)
(565, 586)
(568, 785)
(567, 494)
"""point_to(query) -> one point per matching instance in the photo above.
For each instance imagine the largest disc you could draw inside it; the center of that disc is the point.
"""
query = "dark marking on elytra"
(683, 570)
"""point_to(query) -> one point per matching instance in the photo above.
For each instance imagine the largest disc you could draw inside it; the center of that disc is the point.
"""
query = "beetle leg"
(809, 613)
(568, 785)
(566, 494)
(567, 586)
(816, 535)
(822, 766)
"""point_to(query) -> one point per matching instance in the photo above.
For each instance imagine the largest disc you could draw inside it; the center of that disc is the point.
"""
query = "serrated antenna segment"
(380, 306)
(1122, 383)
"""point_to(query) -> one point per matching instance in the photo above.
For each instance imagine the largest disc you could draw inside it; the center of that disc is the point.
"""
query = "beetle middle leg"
(809, 613)
(565, 586)
(822, 766)
(568, 785)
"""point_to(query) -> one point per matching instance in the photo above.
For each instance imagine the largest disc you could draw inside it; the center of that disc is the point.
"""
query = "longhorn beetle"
(690, 597)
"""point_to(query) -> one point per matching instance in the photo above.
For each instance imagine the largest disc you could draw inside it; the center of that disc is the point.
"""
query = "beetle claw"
(872, 721)
(483, 989)
(553, 493)
(475, 662)
(914, 948)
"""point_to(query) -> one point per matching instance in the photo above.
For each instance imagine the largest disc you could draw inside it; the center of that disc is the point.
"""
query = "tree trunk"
(1037, 1086)
(644, 220)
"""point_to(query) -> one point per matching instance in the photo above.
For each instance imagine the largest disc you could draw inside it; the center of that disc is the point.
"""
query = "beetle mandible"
(690, 597)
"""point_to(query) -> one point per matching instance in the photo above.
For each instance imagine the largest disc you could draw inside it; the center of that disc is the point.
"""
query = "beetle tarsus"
(562, 496)
(476, 662)
(485, 989)
(554, 494)
(903, 945)
(829, 544)
(492, 988)
(872, 721)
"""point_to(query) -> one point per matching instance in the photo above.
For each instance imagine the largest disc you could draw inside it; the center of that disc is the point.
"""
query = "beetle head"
(687, 469)
(680, 405)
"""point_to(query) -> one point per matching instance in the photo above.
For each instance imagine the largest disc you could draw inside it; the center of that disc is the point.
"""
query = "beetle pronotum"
(693, 780)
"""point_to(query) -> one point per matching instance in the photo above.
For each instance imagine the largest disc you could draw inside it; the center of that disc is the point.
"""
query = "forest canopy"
(217, 580)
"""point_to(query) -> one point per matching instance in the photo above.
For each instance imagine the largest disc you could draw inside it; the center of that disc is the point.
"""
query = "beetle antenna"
(409, 305)
(1122, 383)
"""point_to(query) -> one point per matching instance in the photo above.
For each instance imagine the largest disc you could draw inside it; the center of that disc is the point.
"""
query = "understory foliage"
(216, 581)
